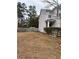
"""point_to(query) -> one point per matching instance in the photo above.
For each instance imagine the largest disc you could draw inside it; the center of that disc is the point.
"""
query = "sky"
(38, 3)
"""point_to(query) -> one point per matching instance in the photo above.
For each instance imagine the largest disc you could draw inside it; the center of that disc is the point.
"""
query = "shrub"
(48, 30)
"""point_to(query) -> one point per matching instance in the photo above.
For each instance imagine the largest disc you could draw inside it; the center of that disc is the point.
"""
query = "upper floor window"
(60, 15)
(47, 10)
(49, 16)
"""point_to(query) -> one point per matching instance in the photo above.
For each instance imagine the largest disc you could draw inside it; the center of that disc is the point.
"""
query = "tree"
(21, 11)
(54, 3)
(34, 22)
(32, 17)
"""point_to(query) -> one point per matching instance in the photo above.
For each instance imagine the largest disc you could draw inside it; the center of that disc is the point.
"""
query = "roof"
(52, 20)
(59, 8)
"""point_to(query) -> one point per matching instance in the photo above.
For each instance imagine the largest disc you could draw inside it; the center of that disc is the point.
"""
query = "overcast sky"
(38, 3)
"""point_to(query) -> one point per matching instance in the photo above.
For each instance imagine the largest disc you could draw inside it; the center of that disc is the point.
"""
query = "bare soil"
(36, 45)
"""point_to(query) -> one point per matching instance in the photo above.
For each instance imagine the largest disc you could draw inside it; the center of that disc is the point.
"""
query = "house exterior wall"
(57, 23)
(44, 16)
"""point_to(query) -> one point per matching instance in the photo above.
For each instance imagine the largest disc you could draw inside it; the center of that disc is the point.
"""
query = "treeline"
(27, 17)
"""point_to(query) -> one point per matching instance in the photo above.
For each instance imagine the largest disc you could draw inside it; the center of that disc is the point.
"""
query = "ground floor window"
(50, 24)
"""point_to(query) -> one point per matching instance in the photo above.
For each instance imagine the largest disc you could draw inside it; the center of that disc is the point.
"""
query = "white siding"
(44, 16)
(57, 24)
(42, 19)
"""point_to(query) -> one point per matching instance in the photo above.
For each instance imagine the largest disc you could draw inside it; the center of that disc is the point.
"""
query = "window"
(47, 10)
(60, 15)
(50, 24)
(49, 16)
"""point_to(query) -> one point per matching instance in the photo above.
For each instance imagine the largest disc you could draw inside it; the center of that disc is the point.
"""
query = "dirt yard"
(35, 45)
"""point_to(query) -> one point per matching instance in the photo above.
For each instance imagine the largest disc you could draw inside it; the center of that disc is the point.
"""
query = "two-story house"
(50, 18)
